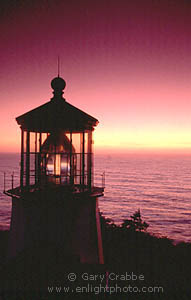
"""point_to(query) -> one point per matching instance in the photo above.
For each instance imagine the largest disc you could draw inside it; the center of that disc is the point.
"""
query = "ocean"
(158, 185)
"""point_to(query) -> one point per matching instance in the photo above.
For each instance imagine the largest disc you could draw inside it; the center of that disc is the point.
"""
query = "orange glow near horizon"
(125, 128)
(143, 140)
(122, 142)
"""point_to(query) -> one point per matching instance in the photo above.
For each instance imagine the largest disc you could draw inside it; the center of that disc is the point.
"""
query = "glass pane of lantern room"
(76, 142)
(25, 141)
(43, 137)
(32, 168)
(32, 142)
(89, 159)
(85, 157)
(86, 142)
(37, 149)
(82, 158)
(75, 158)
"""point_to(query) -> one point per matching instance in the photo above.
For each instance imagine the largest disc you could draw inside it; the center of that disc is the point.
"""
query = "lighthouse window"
(65, 166)
(50, 165)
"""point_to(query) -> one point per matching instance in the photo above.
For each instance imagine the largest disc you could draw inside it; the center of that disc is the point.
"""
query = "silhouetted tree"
(135, 223)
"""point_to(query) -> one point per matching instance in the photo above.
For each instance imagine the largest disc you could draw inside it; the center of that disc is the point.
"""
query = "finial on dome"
(58, 84)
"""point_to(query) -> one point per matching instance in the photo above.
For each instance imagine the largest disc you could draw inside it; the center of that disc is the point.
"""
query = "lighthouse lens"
(58, 158)
(50, 165)
(65, 166)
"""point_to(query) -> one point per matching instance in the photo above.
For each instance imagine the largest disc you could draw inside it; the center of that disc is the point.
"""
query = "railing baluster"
(12, 180)
(103, 180)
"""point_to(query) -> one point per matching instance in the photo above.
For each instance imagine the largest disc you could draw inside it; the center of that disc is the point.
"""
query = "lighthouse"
(56, 203)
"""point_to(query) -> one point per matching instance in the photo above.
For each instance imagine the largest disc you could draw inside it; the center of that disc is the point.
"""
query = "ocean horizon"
(157, 184)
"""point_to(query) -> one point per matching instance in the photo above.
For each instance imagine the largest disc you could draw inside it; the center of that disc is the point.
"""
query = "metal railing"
(99, 179)
(103, 179)
(9, 183)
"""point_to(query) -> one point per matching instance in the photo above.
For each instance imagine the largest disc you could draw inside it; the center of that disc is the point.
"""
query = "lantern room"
(56, 144)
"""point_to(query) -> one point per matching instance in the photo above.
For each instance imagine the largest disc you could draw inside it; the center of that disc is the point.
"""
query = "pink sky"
(127, 63)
